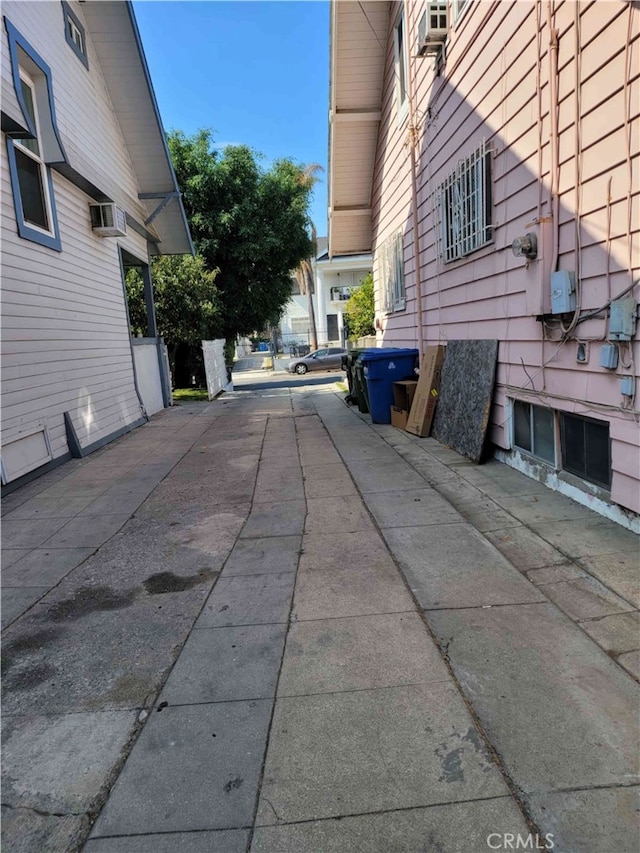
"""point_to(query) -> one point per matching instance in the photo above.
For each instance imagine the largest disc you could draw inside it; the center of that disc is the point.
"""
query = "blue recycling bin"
(381, 368)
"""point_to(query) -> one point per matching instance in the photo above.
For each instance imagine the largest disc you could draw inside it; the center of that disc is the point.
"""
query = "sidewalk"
(307, 634)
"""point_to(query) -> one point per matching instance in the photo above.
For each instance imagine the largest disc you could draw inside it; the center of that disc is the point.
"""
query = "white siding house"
(80, 126)
(335, 279)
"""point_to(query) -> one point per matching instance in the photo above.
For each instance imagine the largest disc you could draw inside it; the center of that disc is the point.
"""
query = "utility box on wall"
(622, 320)
(563, 292)
(536, 272)
(609, 356)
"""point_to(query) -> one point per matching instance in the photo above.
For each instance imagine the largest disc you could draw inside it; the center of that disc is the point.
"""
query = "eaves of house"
(116, 40)
(358, 44)
(114, 34)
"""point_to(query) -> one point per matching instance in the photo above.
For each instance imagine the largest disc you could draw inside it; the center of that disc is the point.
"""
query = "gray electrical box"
(609, 356)
(622, 319)
(626, 386)
(563, 292)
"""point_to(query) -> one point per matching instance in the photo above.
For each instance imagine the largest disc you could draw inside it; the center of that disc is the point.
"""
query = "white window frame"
(401, 66)
(45, 188)
(342, 292)
(391, 272)
(458, 8)
(534, 439)
(464, 207)
(75, 34)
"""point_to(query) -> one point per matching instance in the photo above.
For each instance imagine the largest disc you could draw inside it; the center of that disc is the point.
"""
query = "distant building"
(335, 279)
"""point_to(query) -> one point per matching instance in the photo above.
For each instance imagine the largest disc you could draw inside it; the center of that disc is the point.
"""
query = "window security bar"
(463, 207)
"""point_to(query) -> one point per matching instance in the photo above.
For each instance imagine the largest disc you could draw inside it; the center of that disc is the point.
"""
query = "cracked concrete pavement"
(262, 624)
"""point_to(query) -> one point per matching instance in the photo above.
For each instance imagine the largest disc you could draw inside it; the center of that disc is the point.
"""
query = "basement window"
(534, 430)
(586, 448)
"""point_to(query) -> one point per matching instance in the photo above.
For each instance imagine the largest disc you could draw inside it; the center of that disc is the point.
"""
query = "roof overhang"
(116, 40)
(358, 43)
(344, 263)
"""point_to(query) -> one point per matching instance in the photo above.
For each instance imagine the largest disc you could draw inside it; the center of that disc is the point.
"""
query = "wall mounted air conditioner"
(108, 220)
(432, 29)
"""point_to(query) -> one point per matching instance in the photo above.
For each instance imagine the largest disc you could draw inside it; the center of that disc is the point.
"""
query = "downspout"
(539, 104)
(413, 143)
(554, 139)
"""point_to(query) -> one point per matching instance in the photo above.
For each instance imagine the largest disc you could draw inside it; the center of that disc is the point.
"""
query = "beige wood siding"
(65, 338)
(88, 126)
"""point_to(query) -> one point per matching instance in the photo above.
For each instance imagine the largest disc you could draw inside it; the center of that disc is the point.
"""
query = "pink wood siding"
(495, 86)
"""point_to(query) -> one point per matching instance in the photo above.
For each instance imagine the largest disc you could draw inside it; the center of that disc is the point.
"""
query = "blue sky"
(256, 73)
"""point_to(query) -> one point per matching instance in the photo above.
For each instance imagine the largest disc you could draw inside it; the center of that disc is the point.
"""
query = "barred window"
(391, 259)
(464, 207)
(300, 326)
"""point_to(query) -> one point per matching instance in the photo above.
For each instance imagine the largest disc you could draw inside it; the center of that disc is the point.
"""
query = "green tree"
(186, 301)
(359, 312)
(247, 222)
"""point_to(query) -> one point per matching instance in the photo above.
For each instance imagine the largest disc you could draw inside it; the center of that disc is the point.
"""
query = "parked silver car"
(328, 358)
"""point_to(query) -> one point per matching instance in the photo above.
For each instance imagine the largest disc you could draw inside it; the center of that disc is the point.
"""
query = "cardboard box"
(426, 394)
(399, 418)
(403, 394)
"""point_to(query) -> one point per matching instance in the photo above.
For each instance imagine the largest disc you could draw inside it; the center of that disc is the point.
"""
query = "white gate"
(215, 369)
(148, 372)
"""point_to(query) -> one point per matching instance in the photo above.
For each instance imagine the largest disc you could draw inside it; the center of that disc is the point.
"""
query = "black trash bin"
(360, 384)
(355, 387)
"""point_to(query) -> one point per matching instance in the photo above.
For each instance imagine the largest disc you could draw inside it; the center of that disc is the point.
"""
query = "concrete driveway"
(262, 624)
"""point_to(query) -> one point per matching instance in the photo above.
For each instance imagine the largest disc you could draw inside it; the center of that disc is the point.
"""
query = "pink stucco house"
(488, 153)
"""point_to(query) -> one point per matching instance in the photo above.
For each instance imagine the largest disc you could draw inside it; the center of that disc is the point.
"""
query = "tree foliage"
(359, 312)
(186, 300)
(187, 311)
(248, 223)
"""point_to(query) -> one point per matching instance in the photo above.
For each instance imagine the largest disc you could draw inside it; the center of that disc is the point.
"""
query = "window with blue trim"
(31, 151)
(31, 168)
(74, 34)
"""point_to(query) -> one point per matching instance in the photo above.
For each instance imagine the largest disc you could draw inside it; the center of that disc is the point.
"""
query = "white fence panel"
(215, 368)
(243, 348)
(145, 353)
